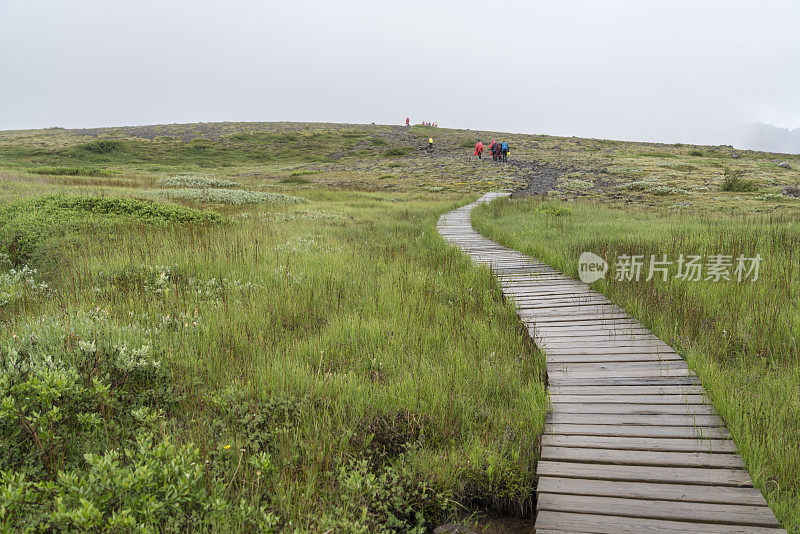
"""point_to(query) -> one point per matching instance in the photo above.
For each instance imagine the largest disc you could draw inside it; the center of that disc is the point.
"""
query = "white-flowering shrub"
(17, 284)
(236, 197)
(198, 182)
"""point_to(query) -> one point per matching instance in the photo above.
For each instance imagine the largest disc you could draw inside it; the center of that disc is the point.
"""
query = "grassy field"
(291, 348)
(255, 326)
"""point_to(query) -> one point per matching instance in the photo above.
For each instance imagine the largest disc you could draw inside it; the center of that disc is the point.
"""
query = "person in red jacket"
(407, 121)
(479, 149)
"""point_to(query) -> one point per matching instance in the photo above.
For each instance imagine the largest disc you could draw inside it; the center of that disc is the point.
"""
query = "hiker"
(430, 143)
(495, 151)
(504, 150)
(491, 148)
(479, 149)
(408, 121)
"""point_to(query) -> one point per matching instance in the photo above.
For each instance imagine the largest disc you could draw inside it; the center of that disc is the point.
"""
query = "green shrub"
(237, 197)
(774, 197)
(296, 177)
(196, 182)
(378, 141)
(576, 184)
(27, 224)
(295, 180)
(101, 146)
(70, 171)
(302, 173)
(397, 151)
(734, 181)
(642, 185)
(82, 440)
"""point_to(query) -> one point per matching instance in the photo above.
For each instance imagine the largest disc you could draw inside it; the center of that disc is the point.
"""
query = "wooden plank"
(626, 390)
(608, 350)
(575, 315)
(603, 524)
(632, 409)
(645, 444)
(639, 431)
(645, 490)
(625, 420)
(586, 325)
(652, 381)
(637, 473)
(732, 514)
(612, 366)
(600, 358)
(556, 372)
(651, 400)
(605, 341)
(635, 457)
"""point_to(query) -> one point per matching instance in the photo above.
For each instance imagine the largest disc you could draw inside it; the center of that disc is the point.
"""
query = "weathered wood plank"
(632, 409)
(645, 444)
(650, 381)
(627, 390)
(637, 473)
(639, 431)
(652, 400)
(607, 358)
(626, 420)
(732, 514)
(645, 490)
(629, 457)
(557, 373)
(621, 366)
(602, 524)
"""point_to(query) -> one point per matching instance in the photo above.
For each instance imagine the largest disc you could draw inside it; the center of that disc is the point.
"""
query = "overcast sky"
(651, 70)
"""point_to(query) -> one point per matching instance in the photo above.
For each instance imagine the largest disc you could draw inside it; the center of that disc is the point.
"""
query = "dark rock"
(791, 191)
(784, 165)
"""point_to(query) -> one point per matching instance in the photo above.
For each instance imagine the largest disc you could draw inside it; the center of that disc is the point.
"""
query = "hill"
(255, 326)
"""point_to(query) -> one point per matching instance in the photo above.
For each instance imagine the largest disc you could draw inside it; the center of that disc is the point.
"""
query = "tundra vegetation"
(251, 326)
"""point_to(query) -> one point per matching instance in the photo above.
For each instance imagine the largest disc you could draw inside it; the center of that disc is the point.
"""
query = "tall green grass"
(305, 373)
(740, 338)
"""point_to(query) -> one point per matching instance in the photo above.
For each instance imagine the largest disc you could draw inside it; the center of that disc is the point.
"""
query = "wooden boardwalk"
(631, 443)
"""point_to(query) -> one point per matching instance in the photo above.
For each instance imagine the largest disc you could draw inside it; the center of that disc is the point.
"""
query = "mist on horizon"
(658, 71)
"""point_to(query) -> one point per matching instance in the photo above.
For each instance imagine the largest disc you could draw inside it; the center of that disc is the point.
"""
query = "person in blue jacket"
(504, 150)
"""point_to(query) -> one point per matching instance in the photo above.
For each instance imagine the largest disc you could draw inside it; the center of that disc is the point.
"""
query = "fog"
(674, 71)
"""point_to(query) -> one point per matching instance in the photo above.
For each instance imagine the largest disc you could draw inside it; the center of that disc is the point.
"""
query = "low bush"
(195, 182)
(236, 197)
(302, 173)
(397, 151)
(735, 181)
(100, 146)
(82, 447)
(378, 141)
(70, 171)
(27, 224)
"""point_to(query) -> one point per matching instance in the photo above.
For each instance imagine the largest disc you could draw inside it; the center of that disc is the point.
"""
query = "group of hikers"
(499, 150)
(434, 124)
